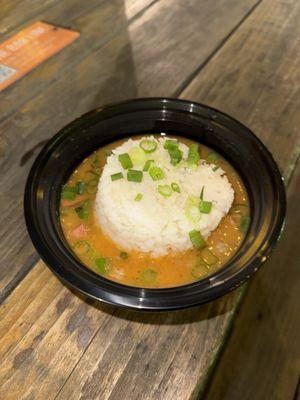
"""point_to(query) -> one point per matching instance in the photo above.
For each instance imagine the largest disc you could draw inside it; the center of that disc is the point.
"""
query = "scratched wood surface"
(55, 344)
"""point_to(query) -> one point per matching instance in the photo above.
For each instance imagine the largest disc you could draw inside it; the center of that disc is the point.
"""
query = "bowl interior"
(208, 126)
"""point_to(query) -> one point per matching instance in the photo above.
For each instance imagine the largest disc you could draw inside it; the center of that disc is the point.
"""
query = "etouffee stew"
(99, 253)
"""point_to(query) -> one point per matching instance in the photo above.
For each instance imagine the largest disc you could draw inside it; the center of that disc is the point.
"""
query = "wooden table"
(239, 56)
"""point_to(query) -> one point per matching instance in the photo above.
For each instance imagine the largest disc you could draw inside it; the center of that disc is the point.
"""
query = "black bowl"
(97, 128)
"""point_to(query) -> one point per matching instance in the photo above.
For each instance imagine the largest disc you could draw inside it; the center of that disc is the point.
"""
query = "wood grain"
(96, 20)
(264, 348)
(53, 341)
(127, 66)
(255, 77)
(55, 344)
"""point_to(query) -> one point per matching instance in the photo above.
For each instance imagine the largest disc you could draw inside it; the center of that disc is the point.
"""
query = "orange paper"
(29, 48)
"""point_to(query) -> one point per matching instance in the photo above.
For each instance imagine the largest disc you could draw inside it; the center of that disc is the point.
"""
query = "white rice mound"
(157, 224)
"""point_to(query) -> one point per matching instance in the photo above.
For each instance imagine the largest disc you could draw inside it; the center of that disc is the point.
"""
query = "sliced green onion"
(197, 240)
(134, 175)
(175, 187)
(138, 197)
(240, 209)
(125, 160)
(82, 211)
(215, 168)
(124, 255)
(149, 146)
(82, 247)
(95, 159)
(107, 152)
(245, 222)
(156, 173)
(175, 156)
(193, 155)
(164, 190)
(92, 186)
(137, 156)
(171, 144)
(205, 206)
(174, 152)
(208, 257)
(80, 187)
(94, 173)
(199, 270)
(102, 265)
(115, 177)
(212, 157)
(149, 275)
(192, 211)
(148, 164)
(202, 193)
(68, 193)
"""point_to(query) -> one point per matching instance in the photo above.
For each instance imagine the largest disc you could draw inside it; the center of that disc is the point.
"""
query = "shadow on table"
(208, 311)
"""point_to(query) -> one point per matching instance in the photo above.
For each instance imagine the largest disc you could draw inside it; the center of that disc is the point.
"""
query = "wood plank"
(96, 20)
(199, 332)
(14, 13)
(255, 77)
(130, 65)
(264, 347)
(57, 333)
(45, 336)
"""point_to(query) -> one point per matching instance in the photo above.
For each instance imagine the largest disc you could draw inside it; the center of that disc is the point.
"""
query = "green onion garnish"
(205, 206)
(125, 160)
(156, 173)
(68, 193)
(138, 197)
(82, 247)
(244, 224)
(215, 168)
(134, 175)
(148, 164)
(102, 265)
(80, 187)
(95, 161)
(124, 255)
(149, 275)
(192, 211)
(208, 257)
(82, 211)
(149, 146)
(197, 240)
(174, 152)
(107, 152)
(175, 156)
(193, 156)
(92, 186)
(239, 209)
(115, 177)
(199, 270)
(137, 156)
(175, 187)
(212, 157)
(94, 173)
(164, 190)
(171, 144)
(202, 193)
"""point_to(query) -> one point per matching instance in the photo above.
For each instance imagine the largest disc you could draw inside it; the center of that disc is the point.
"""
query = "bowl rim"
(136, 302)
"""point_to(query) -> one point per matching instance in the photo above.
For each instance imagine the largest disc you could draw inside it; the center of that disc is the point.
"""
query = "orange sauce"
(89, 243)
